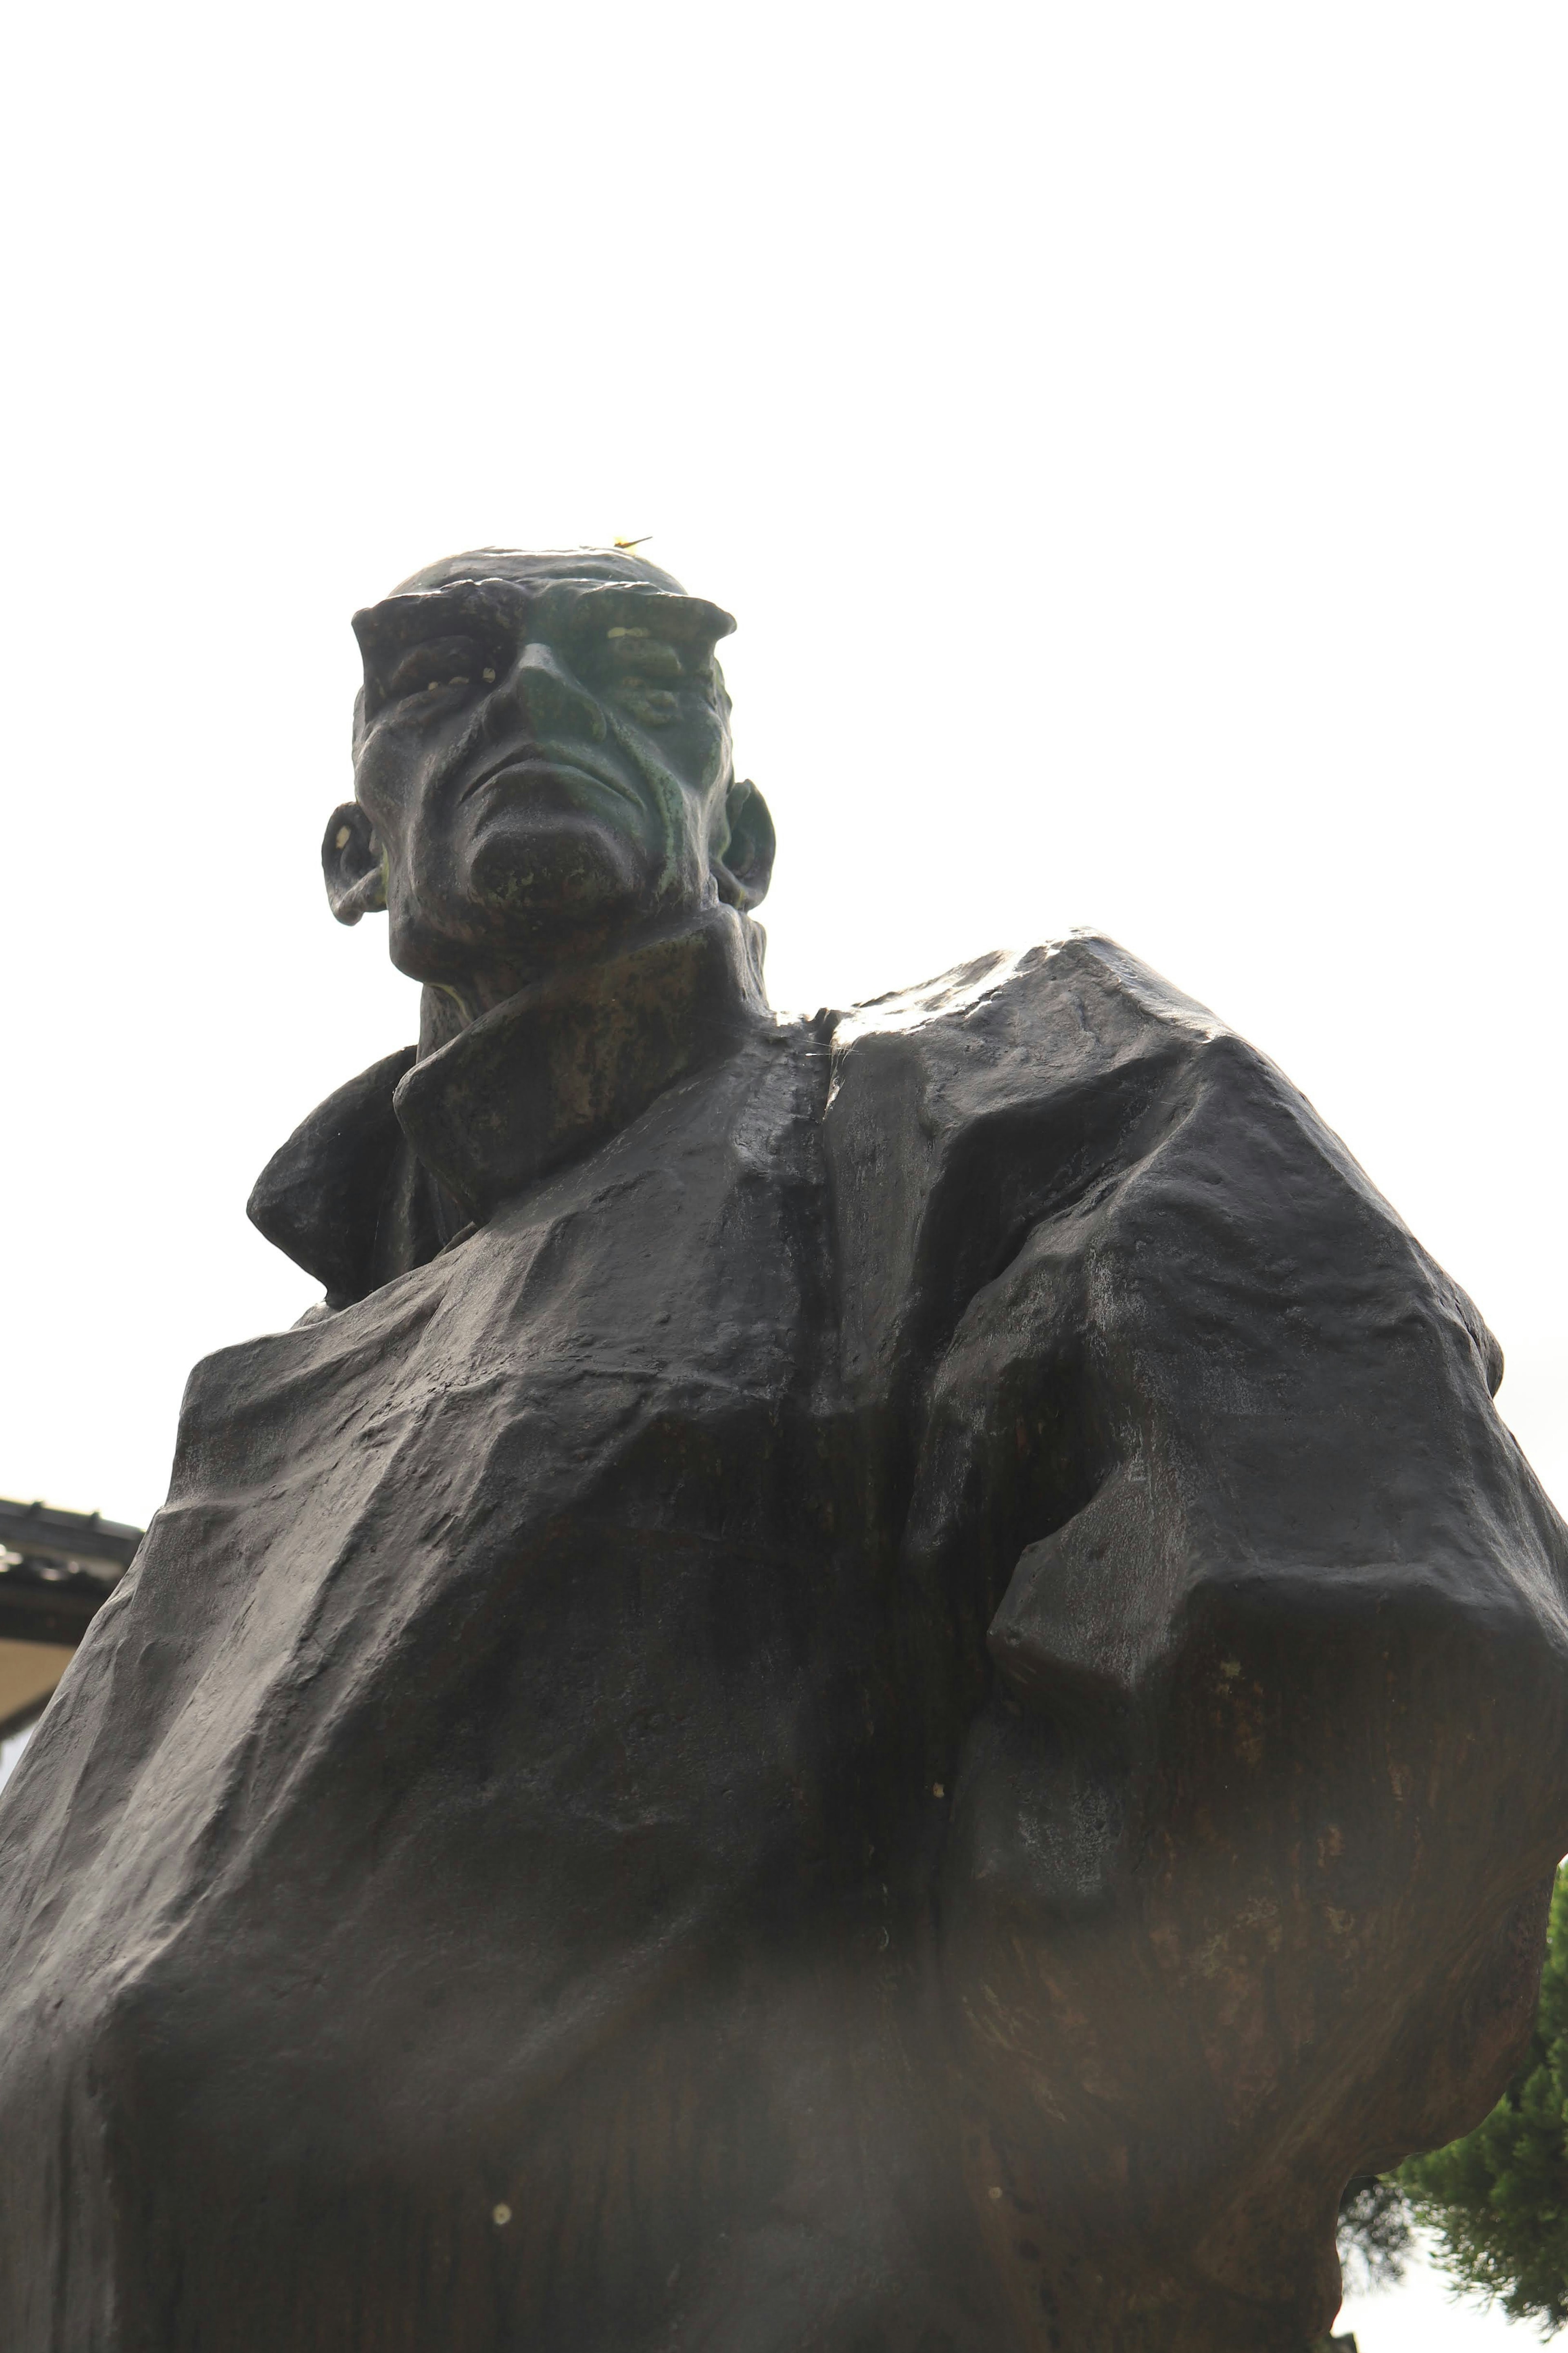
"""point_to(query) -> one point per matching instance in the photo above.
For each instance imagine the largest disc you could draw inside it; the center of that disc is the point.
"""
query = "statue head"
(543, 768)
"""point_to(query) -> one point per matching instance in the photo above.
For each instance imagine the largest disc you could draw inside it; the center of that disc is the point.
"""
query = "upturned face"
(542, 766)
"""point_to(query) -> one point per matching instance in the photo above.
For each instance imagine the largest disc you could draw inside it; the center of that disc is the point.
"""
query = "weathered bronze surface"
(880, 1685)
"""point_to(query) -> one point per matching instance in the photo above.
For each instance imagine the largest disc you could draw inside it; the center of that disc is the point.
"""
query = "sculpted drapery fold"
(1209, 1473)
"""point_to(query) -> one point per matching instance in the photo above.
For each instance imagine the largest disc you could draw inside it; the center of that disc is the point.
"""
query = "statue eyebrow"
(625, 611)
(391, 628)
(388, 629)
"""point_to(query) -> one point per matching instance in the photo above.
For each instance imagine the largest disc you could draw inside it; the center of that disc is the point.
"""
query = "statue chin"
(538, 891)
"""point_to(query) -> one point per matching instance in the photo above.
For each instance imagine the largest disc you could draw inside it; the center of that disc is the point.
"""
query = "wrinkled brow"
(400, 622)
(630, 602)
(499, 611)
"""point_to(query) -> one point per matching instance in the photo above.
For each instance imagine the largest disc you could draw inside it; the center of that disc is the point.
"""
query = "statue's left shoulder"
(961, 1111)
(1011, 1031)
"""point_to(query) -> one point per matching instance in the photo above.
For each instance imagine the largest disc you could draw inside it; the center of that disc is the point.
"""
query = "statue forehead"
(539, 568)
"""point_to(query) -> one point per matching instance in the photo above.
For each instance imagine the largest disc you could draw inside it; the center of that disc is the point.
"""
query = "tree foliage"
(1498, 2198)
(1377, 2234)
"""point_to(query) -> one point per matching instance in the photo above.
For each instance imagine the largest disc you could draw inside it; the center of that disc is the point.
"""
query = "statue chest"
(499, 1707)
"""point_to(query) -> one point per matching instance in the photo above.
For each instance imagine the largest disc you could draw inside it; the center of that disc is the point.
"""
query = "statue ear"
(744, 867)
(351, 860)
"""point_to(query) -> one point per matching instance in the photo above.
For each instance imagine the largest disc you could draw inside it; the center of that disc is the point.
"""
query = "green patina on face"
(543, 768)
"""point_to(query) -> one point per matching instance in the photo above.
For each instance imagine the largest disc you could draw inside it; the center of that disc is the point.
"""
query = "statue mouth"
(539, 765)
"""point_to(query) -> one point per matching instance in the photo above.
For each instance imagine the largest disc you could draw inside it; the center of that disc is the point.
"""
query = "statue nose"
(550, 699)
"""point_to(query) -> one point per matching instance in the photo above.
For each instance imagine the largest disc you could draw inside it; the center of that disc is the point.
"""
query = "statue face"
(542, 765)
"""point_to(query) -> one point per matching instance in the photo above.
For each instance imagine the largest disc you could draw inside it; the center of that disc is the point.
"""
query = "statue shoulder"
(962, 1112)
(1008, 1028)
(1073, 1083)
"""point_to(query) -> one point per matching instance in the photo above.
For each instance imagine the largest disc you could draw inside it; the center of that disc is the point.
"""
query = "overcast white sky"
(1131, 437)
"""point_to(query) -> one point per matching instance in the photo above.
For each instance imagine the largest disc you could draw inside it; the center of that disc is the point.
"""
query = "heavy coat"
(882, 1684)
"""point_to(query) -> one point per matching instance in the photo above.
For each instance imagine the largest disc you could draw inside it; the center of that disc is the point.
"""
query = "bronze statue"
(880, 1685)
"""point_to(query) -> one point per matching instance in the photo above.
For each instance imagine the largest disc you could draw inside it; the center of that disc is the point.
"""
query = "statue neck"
(446, 1010)
(495, 1101)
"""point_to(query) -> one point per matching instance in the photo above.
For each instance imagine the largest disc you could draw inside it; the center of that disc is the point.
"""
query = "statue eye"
(441, 666)
(635, 654)
(654, 706)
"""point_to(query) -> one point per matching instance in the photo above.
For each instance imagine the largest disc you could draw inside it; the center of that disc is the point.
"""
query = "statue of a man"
(880, 1685)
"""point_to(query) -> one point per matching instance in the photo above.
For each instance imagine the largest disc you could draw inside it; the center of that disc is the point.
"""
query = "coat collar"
(564, 1064)
(366, 1186)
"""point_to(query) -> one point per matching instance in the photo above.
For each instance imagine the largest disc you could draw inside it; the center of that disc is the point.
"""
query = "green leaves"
(1498, 2198)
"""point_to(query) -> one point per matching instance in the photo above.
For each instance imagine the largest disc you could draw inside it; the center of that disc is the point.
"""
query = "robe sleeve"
(1244, 1617)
